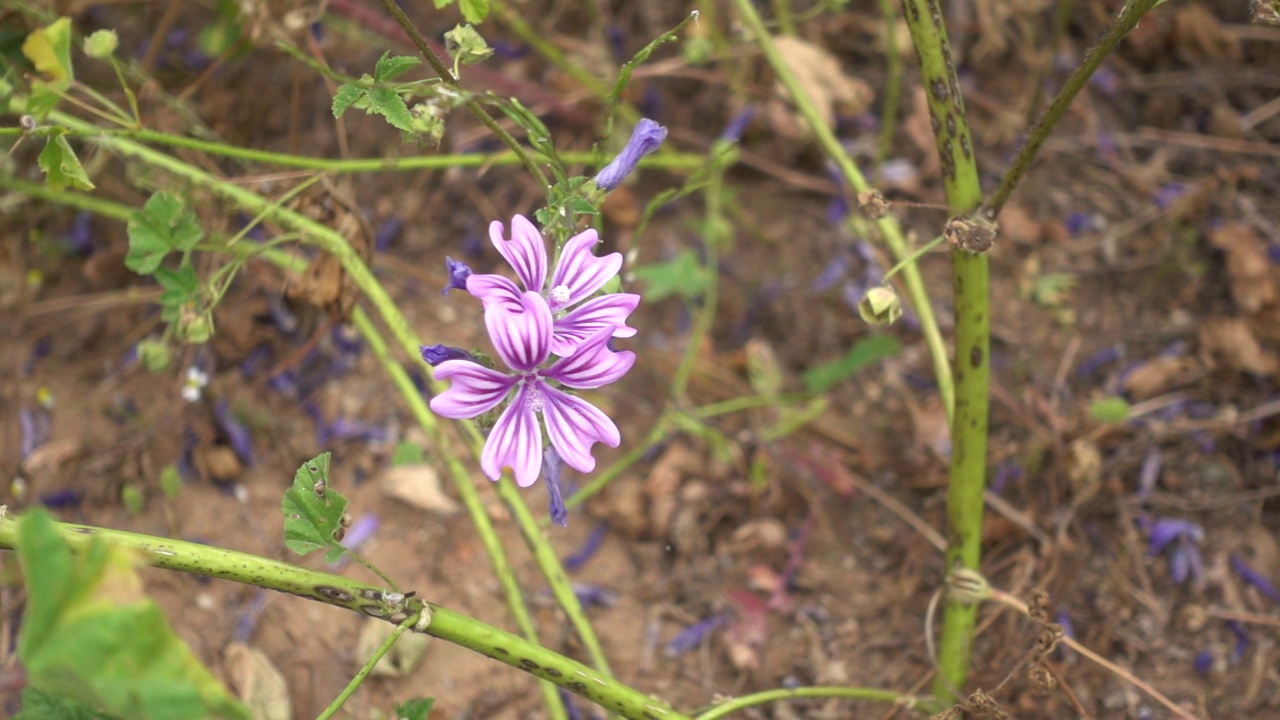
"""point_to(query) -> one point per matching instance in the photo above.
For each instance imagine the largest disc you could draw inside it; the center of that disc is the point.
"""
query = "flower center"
(534, 400)
(558, 296)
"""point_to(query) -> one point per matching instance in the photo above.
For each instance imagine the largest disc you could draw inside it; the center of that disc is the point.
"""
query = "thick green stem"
(1133, 11)
(370, 600)
(972, 343)
(889, 228)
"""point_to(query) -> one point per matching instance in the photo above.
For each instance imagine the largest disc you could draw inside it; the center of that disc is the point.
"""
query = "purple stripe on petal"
(523, 340)
(591, 317)
(592, 364)
(516, 440)
(495, 290)
(574, 425)
(476, 389)
(580, 272)
(526, 251)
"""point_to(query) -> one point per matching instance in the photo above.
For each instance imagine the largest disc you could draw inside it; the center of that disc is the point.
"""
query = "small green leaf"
(313, 511)
(390, 66)
(133, 499)
(683, 275)
(863, 354)
(1109, 410)
(388, 103)
(407, 453)
(62, 169)
(416, 709)
(171, 482)
(158, 228)
(181, 291)
(40, 705)
(49, 49)
(91, 635)
(346, 96)
(474, 11)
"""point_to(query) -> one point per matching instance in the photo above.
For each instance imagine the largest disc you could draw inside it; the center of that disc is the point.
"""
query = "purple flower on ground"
(589, 548)
(1183, 537)
(690, 637)
(578, 275)
(436, 354)
(645, 138)
(524, 341)
(1242, 641)
(458, 274)
(1255, 578)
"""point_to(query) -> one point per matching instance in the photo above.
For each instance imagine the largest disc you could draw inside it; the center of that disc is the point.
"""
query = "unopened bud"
(466, 45)
(101, 43)
(967, 586)
(971, 234)
(880, 306)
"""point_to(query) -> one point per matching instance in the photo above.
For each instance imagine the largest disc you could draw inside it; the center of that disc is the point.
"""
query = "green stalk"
(343, 592)
(367, 668)
(768, 696)
(892, 82)
(972, 343)
(1133, 11)
(671, 160)
(888, 226)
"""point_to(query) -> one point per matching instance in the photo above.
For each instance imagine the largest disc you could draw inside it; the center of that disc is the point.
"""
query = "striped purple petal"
(574, 425)
(579, 273)
(523, 340)
(495, 290)
(526, 251)
(516, 440)
(592, 364)
(594, 315)
(476, 389)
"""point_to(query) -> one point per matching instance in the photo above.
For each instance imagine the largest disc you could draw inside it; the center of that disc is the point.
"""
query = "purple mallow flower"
(458, 274)
(524, 341)
(645, 138)
(578, 275)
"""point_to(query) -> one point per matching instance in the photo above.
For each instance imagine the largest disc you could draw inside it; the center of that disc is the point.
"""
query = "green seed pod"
(880, 306)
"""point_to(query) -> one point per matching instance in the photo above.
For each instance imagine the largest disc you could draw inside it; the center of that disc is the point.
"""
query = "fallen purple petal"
(588, 549)
(59, 499)
(1150, 473)
(1203, 662)
(692, 636)
(1165, 530)
(239, 436)
(79, 237)
(1255, 578)
(387, 232)
(1100, 359)
(255, 360)
(1242, 641)
(594, 595)
(1077, 222)
(36, 427)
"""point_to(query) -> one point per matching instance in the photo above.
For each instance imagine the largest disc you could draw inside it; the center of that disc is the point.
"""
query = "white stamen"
(534, 400)
(559, 295)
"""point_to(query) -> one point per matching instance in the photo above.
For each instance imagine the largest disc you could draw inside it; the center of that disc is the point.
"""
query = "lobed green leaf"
(313, 511)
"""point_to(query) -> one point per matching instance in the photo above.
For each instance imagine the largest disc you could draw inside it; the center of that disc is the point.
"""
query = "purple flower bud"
(433, 355)
(1255, 578)
(589, 548)
(551, 465)
(1203, 662)
(458, 274)
(646, 138)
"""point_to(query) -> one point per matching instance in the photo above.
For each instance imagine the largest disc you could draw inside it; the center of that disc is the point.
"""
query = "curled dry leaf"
(1255, 280)
(1231, 341)
(1160, 375)
(259, 683)
(820, 76)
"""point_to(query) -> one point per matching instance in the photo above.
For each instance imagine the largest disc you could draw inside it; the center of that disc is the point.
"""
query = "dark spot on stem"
(940, 91)
(951, 124)
(334, 593)
(528, 664)
(502, 651)
(552, 672)
(577, 686)
(975, 357)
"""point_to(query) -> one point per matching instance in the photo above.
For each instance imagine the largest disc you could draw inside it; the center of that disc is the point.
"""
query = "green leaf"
(313, 511)
(171, 482)
(407, 453)
(474, 11)
(92, 636)
(683, 275)
(62, 169)
(40, 705)
(1109, 410)
(181, 291)
(416, 709)
(346, 96)
(49, 49)
(441, 4)
(388, 103)
(156, 229)
(863, 354)
(390, 66)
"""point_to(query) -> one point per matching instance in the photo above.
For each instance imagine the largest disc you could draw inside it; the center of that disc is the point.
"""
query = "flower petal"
(515, 442)
(590, 318)
(495, 289)
(523, 339)
(592, 364)
(581, 271)
(526, 251)
(476, 389)
(574, 425)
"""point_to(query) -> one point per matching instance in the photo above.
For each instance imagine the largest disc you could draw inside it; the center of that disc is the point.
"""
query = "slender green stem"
(669, 161)
(360, 560)
(892, 81)
(915, 255)
(370, 600)
(782, 15)
(447, 76)
(713, 235)
(1129, 17)
(769, 696)
(608, 475)
(889, 228)
(972, 343)
(363, 674)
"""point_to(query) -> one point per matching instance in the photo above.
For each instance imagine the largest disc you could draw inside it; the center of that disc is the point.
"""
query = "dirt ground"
(1140, 259)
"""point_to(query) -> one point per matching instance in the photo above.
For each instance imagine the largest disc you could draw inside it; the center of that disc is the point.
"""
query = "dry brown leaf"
(260, 684)
(1255, 280)
(1231, 341)
(819, 74)
(663, 483)
(419, 486)
(1159, 375)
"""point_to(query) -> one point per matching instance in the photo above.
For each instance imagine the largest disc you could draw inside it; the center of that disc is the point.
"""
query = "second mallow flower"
(523, 340)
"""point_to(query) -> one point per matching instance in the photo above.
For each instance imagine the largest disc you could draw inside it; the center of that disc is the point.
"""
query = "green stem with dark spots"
(972, 342)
